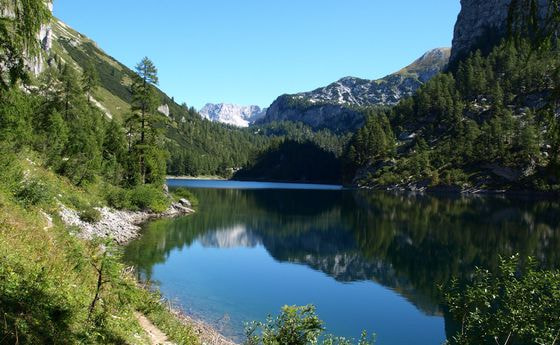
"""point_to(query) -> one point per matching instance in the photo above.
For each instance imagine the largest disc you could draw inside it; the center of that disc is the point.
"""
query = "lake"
(368, 260)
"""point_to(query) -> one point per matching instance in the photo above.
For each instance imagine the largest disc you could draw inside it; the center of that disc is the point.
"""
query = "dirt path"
(157, 337)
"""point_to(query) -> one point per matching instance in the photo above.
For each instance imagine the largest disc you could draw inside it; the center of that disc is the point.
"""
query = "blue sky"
(251, 51)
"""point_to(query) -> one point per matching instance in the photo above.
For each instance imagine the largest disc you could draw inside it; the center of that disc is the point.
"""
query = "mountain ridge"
(335, 106)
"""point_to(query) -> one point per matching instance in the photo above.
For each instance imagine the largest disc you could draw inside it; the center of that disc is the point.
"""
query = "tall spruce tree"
(144, 133)
(90, 80)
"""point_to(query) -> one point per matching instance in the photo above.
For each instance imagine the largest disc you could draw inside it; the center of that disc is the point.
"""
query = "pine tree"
(90, 80)
(145, 135)
(70, 92)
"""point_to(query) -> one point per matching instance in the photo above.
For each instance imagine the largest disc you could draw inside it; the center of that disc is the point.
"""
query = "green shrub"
(33, 308)
(33, 192)
(183, 193)
(296, 326)
(10, 170)
(118, 198)
(517, 305)
(149, 197)
(90, 215)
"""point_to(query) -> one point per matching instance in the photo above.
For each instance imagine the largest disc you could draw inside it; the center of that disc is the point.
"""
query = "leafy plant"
(518, 305)
(90, 215)
(185, 194)
(295, 326)
(149, 197)
(33, 192)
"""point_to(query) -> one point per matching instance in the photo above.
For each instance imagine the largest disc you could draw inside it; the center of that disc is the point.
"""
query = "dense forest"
(490, 122)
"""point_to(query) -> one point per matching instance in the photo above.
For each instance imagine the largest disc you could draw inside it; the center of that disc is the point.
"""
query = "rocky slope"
(336, 106)
(481, 23)
(232, 114)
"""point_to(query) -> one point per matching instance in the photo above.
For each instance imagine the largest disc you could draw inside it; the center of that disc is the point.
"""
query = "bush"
(118, 198)
(508, 307)
(149, 197)
(33, 192)
(90, 215)
(10, 170)
(34, 309)
(296, 326)
(183, 193)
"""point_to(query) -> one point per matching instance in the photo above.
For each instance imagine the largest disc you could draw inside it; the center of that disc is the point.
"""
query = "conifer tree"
(145, 136)
(90, 80)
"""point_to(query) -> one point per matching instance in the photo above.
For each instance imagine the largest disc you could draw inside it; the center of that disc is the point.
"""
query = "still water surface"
(368, 261)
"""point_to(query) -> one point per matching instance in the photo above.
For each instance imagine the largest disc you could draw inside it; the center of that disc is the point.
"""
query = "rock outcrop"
(483, 20)
(45, 37)
(164, 109)
(335, 106)
(122, 226)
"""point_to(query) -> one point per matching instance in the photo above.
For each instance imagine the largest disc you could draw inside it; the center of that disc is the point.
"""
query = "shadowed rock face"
(481, 19)
(335, 106)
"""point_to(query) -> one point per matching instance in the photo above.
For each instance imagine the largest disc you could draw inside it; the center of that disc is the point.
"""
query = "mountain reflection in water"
(411, 244)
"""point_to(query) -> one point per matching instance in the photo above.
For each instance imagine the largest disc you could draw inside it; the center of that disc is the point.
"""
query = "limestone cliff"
(483, 21)
(45, 37)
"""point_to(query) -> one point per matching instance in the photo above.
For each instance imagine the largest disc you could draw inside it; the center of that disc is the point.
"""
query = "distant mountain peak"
(232, 114)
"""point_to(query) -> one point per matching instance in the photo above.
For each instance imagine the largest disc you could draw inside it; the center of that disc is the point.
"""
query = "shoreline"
(121, 225)
(125, 226)
(201, 178)
(458, 191)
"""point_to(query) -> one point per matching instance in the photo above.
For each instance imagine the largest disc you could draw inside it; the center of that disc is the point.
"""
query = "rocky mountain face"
(482, 20)
(336, 106)
(44, 36)
(232, 114)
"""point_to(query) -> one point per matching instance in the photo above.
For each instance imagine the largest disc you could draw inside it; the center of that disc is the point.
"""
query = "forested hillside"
(196, 146)
(61, 154)
(491, 122)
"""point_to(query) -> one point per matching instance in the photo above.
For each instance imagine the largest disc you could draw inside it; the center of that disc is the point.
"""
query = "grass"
(48, 277)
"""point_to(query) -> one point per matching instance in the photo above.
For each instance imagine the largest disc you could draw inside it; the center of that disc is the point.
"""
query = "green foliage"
(34, 192)
(117, 197)
(11, 172)
(184, 193)
(149, 197)
(90, 80)
(33, 308)
(15, 118)
(155, 308)
(491, 113)
(293, 161)
(18, 37)
(295, 326)
(374, 141)
(90, 215)
(147, 158)
(517, 305)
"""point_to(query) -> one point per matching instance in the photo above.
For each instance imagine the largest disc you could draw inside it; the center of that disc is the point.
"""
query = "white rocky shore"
(122, 226)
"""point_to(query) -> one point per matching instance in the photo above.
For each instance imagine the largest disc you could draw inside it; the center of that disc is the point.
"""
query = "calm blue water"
(368, 261)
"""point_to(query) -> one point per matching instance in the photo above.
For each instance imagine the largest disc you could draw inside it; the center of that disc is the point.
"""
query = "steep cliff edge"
(481, 23)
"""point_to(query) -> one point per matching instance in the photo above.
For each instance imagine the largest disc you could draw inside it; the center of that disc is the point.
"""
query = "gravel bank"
(123, 226)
